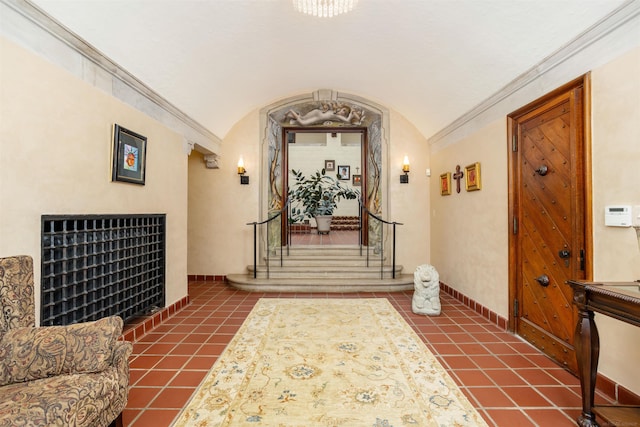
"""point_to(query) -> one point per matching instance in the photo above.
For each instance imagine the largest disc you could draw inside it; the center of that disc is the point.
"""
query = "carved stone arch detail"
(322, 109)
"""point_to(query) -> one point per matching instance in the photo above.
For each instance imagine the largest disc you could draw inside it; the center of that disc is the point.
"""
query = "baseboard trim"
(492, 316)
(138, 327)
(206, 278)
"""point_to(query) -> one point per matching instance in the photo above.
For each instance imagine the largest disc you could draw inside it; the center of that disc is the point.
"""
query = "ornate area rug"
(327, 362)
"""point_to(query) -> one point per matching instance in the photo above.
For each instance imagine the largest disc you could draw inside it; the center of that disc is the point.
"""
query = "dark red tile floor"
(508, 381)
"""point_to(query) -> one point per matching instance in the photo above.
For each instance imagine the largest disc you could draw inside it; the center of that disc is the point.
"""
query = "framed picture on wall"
(129, 156)
(445, 184)
(357, 180)
(472, 182)
(330, 165)
(344, 172)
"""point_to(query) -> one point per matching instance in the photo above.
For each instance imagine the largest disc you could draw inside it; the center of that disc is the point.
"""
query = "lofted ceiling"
(430, 60)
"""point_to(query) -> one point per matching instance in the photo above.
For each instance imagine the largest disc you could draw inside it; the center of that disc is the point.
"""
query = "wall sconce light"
(404, 179)
(241, 171)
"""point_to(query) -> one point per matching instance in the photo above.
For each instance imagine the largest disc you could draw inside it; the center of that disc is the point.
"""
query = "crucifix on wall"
(458, 176)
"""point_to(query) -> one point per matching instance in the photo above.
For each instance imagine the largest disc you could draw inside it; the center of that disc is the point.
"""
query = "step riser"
(337, 273)
(278, 288)
(402, 282)
(323, 263)
(325, 275)
(334, 268)
(293, 253)
(292, 269)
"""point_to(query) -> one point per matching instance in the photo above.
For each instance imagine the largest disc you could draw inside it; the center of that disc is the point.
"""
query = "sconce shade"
(404, 179)
(244, 180)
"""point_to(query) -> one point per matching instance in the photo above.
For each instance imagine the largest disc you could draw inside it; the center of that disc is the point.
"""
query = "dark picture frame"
(129, 156)
(329, 165)
(344, 172)
(357, 180)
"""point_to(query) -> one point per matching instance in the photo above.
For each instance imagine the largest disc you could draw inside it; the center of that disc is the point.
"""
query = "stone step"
(246, 282)
(326, 271)
(328, 261)
(323, 268)
(326, 250)
(350, 255)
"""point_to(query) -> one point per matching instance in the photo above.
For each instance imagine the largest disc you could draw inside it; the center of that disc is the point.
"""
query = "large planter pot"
(324, 223)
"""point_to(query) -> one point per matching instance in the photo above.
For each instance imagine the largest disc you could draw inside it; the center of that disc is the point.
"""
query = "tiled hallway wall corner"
(493, 317)
(134, 330)
(610, 388)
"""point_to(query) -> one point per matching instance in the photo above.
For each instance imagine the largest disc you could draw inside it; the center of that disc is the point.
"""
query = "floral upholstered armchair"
(75, 375)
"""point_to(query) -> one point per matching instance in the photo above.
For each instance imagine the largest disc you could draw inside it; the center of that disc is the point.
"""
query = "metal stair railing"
(255, 240)
(365, 210)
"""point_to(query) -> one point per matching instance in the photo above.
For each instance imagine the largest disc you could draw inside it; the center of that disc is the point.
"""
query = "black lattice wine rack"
(101, 265)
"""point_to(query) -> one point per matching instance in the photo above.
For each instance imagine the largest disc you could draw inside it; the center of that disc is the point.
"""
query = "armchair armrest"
(32, 353)
(121, 353)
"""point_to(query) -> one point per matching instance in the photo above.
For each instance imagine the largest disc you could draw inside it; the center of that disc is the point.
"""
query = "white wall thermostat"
(617, 216)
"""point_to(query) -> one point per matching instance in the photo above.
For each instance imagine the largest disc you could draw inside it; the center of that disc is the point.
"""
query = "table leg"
(587, 344)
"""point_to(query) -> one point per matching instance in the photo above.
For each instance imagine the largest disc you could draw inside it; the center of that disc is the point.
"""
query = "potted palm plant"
(319, 195)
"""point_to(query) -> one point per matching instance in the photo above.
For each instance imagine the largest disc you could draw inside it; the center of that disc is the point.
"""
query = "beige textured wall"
(616, 164)
(55, 158)
(470, 230)
(616, 180)
(221, 243)
(409, 203)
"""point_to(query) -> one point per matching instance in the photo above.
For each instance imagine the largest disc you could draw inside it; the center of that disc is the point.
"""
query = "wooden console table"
(620, 300)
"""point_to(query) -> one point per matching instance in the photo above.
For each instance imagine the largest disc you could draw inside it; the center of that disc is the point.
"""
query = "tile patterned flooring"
(508, 381)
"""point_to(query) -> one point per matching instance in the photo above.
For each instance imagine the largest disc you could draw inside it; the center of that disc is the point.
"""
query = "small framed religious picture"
(330, 165)
(344, 172)
(445, 184)
(472, 182)
(357, 180)
(129, 156)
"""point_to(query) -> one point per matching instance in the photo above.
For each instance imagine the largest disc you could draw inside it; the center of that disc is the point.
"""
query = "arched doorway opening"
(322, 111)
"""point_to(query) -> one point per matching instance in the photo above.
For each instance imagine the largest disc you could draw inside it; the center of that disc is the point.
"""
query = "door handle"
(543, 280)
(542, 170)
(564, 254)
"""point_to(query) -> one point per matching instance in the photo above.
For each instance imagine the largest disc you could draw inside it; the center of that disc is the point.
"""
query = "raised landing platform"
(246, 282)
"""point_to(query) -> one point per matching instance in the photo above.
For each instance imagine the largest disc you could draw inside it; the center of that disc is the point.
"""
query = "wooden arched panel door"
(548, 209)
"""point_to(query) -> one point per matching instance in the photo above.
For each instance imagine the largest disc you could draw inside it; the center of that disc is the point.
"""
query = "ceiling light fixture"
(324, 8)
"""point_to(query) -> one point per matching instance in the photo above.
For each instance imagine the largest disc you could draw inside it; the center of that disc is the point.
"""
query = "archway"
(325, 111)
